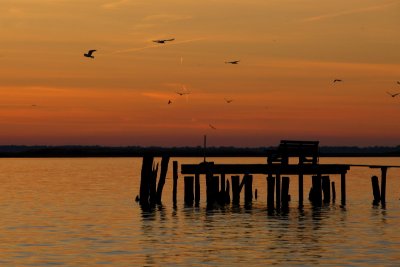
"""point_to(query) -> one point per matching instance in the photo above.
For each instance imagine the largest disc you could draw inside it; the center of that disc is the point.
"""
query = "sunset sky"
(290, 52)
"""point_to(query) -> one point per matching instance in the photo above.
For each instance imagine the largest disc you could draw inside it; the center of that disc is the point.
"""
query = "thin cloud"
(115, 4)
(349, 12)
(136, 49)
(157, 95)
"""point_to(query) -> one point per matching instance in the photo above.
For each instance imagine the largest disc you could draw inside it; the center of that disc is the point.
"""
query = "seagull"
(183, 93)
(232, 62)
(169, 102)
(162, 41)
(398, 82)
(393, 95)
(212, 127)
(90, 53)
(337, 80)
(228, 100)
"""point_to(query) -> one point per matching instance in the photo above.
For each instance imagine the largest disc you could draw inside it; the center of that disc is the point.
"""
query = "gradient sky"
(290, 51)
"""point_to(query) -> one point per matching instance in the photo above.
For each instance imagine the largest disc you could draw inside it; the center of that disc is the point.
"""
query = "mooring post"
(197, 189)
(153, 185)
(317, 190)
(248, 189)
(343, 188)
(270, 192)
(235, 189)
(326, 188)
(285, 192)
(175, 181)
(278, 191)
(375, 190)
(383, 186)
(333, 192)
(221, 193)
(146, 175)
(301, 194)
(188, 195)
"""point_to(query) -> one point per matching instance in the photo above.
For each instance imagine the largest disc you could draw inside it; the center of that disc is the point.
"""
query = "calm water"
(81, 212)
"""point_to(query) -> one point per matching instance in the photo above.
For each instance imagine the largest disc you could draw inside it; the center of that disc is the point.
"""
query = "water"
(81, 212)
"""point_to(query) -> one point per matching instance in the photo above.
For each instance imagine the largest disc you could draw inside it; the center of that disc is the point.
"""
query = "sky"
(290, 52)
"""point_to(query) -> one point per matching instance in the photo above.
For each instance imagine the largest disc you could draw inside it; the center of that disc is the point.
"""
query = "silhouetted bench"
(306, 151)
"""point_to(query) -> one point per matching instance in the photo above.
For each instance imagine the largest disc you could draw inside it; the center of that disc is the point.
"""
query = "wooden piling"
(375, 190)
(175, 181)
(188, 194)
(235, 190)
(343, 188)
(145, 177)
(278, 191)
(301, 194)
(215, 189)
(383, 185)
(285, 192)
(248, 189)
(153, 185)
(221, 193)
(333, 192)
(270, 192)
(326, 189)
(163, 175)
(227, 193)
(317, 190)
(197, 189)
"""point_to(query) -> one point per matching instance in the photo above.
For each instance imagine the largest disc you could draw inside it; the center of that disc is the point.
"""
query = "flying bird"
(228, 100)
(398, 82)
(232, 62)
(183, 93)
(90, 53)
(393, 95)
(169, 102)
(337, 80)
(163, 41)
(212, 127)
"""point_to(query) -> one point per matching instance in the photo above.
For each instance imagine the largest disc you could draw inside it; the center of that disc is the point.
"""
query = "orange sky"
(289, 50)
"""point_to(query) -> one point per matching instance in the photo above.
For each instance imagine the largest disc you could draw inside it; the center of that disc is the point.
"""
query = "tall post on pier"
(343, 188)
(235, 189)
(248, 189)
(383, 185)
(188, 194)
(278, 191)
(146, 176)
(301, 194)
(270, 192)
(175, 181)
(285, 193)
(197, 189)
(326, 188)
(317, 190)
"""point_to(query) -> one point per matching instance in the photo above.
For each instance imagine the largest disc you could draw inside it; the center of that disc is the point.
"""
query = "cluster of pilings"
(278, 193)
(321, 189)
(379, 194)
(150, 191)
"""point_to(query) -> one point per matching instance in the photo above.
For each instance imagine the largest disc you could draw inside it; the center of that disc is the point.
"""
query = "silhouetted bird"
(183, 93)
(232, 62)
(398, 82)
(228, 100)
(169, 102)
(90, 53)
(162, 41)
(212, 127)
(393, 95)
(337, 80)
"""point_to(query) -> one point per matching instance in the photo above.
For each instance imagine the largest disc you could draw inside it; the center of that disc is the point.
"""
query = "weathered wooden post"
(316, 190)
(163, 175)
(278, 191)
(210, 184)
(215, 188)
(301, 194)
(326, 188)
(221, 193)
(175, 181)
(146, 174)
(197, 189)
(189, 194)
(285, 192)
(248, 189)
(270, 192)
(375, 190)
(227, 193)
(343, 188)
(333, 192)
(235, 190)
(153, 185)
(383, 186)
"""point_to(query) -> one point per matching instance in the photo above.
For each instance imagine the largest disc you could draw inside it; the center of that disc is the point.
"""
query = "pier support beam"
(248, 189)
(163, 175)
(197, 189)
(375, 190)
(235, 190)
(270, 192)
(343, 188)
(285, 193)
(317, 190)
(301, 189)
(333, 192)
(326, 189)
(383, 186)
(175, 181)
(278, 191)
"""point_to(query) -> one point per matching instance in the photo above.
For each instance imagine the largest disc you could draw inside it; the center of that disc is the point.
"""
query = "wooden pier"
(291, 158)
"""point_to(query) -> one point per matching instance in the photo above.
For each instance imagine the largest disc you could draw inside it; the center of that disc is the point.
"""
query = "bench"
(306, 151)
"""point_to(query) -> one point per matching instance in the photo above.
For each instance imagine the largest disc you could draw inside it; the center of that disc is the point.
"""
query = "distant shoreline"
(100, 151)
